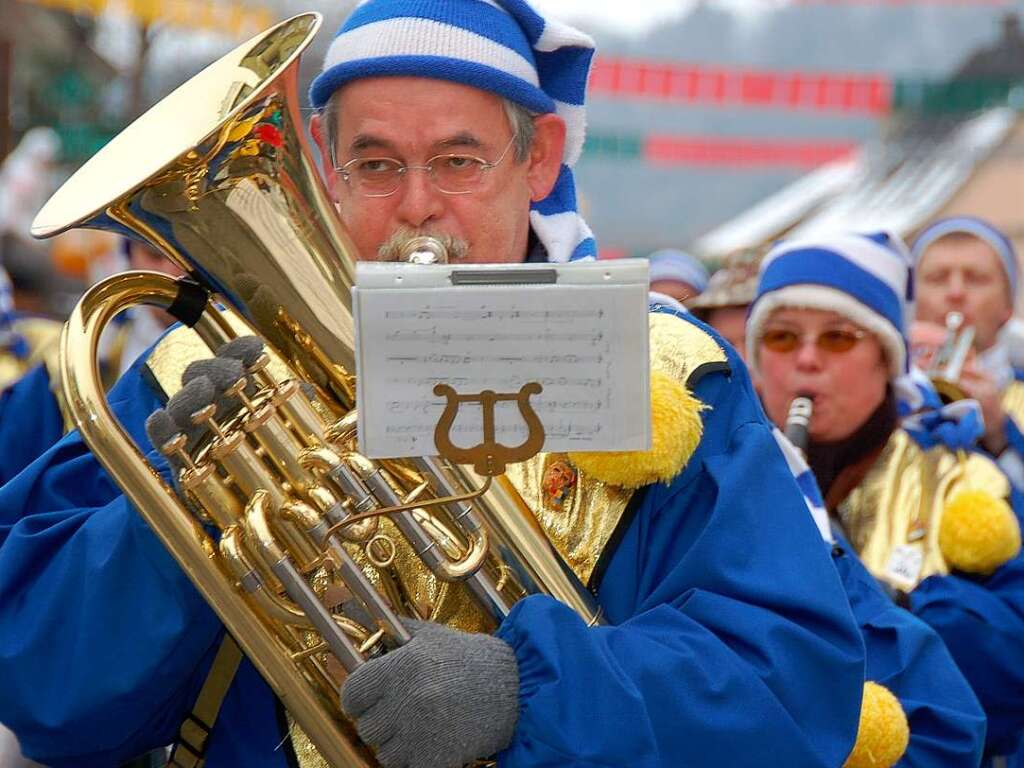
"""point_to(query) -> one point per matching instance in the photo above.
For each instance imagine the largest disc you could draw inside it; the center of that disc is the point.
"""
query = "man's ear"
(546, 155)
(316, 128)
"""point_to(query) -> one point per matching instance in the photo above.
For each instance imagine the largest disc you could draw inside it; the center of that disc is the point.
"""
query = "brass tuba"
(223, 182)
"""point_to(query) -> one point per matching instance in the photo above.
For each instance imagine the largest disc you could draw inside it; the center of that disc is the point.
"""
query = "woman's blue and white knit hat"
(981, 229)
(501, 46)
(865, 278)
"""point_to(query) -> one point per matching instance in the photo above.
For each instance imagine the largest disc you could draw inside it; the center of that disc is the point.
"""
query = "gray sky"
(639, 17)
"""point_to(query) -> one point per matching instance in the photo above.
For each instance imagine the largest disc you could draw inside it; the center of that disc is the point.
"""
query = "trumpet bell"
(950, 358)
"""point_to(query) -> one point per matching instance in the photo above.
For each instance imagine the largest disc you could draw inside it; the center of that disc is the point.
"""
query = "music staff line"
(494, 314)
(497, 383)
(543, 406)
(438, 358)
(560, 430)
(433, 337)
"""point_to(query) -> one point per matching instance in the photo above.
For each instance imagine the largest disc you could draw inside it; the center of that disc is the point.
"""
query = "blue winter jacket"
(729, 638)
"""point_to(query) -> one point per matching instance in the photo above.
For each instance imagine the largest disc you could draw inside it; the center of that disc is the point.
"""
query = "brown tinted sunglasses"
(834, 340)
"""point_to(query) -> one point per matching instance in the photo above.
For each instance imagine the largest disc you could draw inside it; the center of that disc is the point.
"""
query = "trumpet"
(222, 181)
(948, 362)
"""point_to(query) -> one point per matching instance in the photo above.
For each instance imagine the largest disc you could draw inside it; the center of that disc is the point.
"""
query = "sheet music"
(583, 339)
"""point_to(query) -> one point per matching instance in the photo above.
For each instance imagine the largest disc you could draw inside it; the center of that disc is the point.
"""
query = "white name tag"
(904, 566)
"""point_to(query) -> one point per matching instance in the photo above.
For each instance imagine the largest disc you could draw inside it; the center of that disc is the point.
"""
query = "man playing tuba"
(727, 635)
(828, 324)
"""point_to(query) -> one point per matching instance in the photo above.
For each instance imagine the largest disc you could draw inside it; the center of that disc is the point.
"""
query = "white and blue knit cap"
(502, 46)
(680, 267)
(981, 229)
(865, 278)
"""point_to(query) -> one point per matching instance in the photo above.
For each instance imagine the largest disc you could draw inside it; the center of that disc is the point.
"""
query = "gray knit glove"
(444, 699)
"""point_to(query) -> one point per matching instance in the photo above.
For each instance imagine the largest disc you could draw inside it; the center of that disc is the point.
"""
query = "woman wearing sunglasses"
(931, 525)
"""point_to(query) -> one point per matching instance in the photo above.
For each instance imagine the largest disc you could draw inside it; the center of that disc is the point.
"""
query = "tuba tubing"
(183, 537)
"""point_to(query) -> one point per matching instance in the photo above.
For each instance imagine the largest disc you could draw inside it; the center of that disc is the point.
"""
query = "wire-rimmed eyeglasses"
(451, 174)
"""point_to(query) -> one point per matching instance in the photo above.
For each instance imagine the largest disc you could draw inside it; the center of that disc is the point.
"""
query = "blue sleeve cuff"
(533, 672)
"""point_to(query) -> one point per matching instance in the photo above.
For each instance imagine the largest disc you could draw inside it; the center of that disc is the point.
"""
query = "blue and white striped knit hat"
(501, 46)
(680, 267)
(865, 278)
(981, 229)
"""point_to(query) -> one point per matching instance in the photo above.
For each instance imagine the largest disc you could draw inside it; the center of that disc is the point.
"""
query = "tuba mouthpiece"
(424, 250)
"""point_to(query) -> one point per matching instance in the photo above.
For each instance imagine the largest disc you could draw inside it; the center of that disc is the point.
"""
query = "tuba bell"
(220, 178)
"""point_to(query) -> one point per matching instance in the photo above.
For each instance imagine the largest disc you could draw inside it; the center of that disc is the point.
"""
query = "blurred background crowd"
(727, 124)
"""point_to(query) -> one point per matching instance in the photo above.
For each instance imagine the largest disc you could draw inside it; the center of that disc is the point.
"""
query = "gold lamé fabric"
(895, 512)
(580, 515)
(1013, 402)
(581, 522)
(43, 338)
(169, 359)
(12, 368)
(306, 754)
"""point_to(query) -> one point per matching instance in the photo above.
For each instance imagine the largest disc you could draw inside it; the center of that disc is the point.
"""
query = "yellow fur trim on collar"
(676, 429)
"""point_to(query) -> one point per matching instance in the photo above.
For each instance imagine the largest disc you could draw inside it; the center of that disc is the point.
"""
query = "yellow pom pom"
(884, 734)
(676, 430)
(978, 533)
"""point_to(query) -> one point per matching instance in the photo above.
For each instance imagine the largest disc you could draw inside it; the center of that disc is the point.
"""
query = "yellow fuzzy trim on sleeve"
(978, 533)
(883, 734)
(676, 429)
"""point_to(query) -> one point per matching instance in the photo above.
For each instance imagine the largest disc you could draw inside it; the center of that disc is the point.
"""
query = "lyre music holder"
(490, 457)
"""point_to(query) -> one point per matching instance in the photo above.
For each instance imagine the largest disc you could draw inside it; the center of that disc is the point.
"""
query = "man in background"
(723, 305)
(676, 277)
(966, 265)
